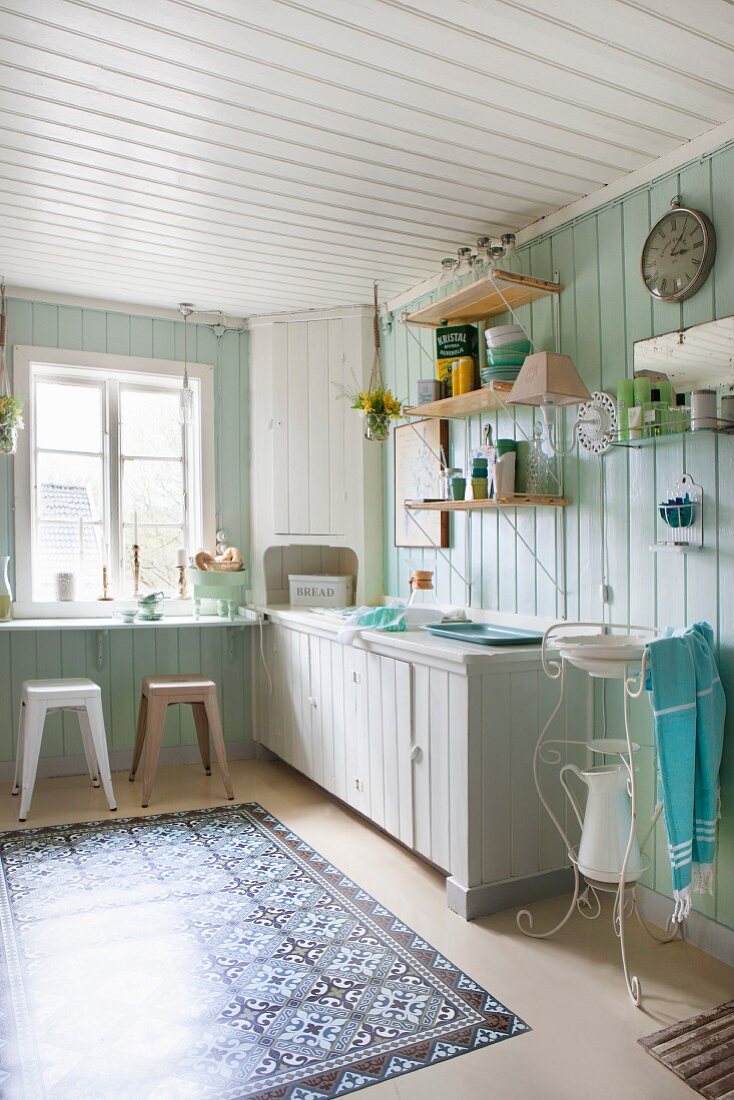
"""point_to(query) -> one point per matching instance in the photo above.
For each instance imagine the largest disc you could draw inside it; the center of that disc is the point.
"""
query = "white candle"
(135, 532)
(181, 556)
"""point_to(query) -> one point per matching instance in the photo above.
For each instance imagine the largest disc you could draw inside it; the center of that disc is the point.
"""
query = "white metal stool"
(39, 698)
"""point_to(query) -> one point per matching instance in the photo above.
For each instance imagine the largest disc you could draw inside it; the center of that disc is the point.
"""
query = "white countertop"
(416, 643)
(174, 622)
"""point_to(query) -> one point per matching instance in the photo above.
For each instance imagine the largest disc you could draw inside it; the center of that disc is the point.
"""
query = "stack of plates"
(498, 374)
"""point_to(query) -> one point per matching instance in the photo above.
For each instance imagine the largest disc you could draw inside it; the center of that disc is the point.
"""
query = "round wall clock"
(678, 253)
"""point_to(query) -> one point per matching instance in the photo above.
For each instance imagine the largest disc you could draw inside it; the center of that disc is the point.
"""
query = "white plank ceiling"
(263, 155)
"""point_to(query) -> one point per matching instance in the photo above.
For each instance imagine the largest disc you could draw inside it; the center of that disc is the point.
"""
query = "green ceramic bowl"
(505, 358)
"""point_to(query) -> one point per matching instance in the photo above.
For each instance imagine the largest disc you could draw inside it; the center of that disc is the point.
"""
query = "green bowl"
(505, 358)
(522, 347)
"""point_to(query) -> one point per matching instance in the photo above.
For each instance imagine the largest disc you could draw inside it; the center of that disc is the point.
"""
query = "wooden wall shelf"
(519, 500)
(485, 399)
(481, 300)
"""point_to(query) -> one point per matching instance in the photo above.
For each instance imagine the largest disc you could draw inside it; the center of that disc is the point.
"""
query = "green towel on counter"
(391, 618)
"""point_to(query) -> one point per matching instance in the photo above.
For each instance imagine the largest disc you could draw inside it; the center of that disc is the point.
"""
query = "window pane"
(153, 490)
(69, 534)
(158, 546)
(68, 418)
(150, 423)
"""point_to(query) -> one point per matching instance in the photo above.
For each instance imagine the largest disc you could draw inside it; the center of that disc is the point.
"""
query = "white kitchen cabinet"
(435, 745)
(315, 482)
(309, 363)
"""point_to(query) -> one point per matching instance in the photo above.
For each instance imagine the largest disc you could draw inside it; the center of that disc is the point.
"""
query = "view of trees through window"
(96, 494)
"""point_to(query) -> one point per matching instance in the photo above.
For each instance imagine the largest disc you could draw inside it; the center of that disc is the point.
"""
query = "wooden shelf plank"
(481, 300)
(519, 500)
(485, 399)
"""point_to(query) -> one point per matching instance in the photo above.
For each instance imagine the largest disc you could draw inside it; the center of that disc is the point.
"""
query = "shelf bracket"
(413, 336)
(502, 512)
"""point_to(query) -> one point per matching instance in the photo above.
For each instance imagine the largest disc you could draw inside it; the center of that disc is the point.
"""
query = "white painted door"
(378, 720)
(309, 418)
(431, 763)
(291, 708)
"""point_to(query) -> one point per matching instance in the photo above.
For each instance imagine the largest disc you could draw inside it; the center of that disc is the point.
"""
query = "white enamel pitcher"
(605, 826)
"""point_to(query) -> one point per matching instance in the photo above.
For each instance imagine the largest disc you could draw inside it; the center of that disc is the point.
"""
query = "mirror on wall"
(701, 357)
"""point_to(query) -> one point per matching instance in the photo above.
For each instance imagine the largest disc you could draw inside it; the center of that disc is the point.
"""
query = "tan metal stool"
(160, 692)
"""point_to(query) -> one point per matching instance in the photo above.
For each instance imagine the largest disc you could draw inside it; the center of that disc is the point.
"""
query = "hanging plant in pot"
(377, 403)
(11, 420)
(379, 408)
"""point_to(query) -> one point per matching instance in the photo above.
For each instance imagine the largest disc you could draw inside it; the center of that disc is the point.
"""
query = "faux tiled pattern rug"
(213, 954)
(699, 1050)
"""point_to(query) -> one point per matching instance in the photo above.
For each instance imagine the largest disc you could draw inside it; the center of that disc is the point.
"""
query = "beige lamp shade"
(548, 379)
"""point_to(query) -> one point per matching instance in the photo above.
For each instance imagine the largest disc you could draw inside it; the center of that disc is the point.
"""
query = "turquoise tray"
(484, 634)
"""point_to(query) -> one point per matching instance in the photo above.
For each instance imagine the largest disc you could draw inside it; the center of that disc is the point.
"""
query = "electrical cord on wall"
(261, 622)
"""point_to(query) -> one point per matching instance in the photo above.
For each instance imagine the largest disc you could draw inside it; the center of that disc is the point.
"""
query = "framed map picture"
(419, 449)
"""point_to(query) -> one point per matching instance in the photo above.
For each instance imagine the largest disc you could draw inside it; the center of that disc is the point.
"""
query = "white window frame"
(103, 365)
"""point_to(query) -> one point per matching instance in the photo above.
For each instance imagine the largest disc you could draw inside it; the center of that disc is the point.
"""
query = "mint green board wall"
(128, 655)
(604, 309)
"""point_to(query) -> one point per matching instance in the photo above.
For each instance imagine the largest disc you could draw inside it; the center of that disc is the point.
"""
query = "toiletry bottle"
(625, 399)
(654, 414)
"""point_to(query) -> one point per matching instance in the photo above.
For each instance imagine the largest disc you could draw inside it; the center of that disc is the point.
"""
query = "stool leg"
(156, 720)
(19, 750)
(139, 736)
(215, 725)
(202, 733)
(95, 718)
(35, 716)
(88, 743)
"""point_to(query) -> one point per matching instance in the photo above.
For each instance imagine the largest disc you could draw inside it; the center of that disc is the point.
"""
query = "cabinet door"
(431, 765)
(291, 708)
(378, 720)
(309, 428)
(356, 754)
(327, 714)
(388, 705)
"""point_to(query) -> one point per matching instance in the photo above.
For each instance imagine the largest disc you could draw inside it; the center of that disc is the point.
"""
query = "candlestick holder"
(182, 588)
(105, 586)
(136, 570)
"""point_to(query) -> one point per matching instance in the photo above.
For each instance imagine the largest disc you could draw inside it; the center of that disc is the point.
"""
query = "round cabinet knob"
(416, 753)
(311, 701)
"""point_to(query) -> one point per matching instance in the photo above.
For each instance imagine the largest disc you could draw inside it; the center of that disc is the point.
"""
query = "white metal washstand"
(609, 657)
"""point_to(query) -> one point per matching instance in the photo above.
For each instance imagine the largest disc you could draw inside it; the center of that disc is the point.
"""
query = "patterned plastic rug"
(213, 954)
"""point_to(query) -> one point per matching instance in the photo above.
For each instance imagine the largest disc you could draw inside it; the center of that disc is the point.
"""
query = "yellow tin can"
(462, 375)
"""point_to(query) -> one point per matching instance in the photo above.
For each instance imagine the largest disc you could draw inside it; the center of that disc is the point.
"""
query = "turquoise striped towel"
(688, 705)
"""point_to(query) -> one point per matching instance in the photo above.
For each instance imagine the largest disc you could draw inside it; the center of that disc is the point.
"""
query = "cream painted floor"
(569, 989)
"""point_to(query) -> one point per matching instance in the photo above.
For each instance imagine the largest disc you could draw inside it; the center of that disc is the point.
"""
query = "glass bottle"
(448, 265)
(421, 589)
(6, 594)
(463, 269)
(480, 259)
(539, 469)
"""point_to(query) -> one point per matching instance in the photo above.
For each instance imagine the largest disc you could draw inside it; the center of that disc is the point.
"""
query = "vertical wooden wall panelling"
(337, 380)
(604, 310)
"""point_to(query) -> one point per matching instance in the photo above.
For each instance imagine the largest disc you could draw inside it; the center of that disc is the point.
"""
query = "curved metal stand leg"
(631, 981)
(672, 930)
(525, 917)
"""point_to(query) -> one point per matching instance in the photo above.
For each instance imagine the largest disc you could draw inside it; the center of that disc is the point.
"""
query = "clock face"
(678, 254)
